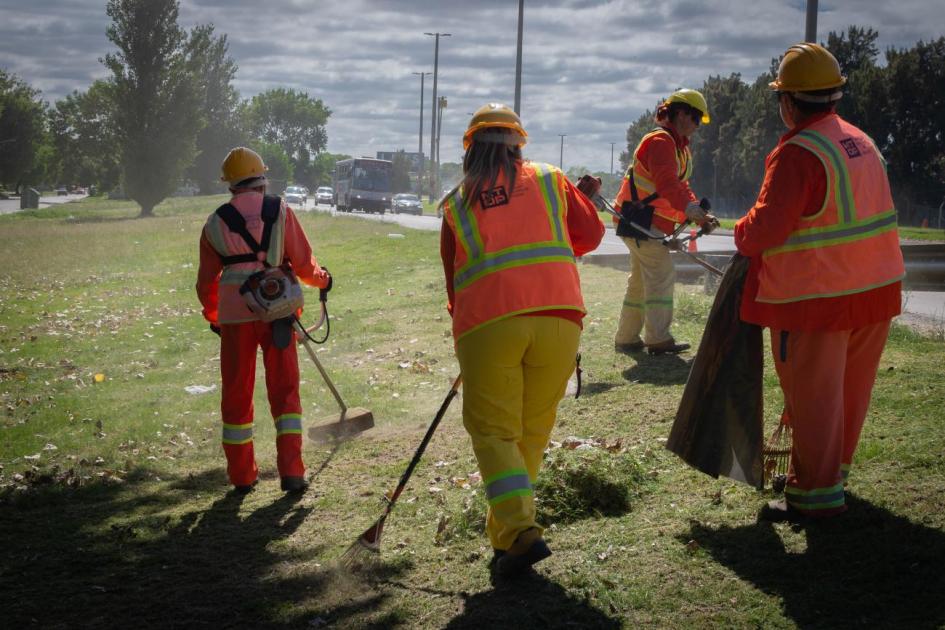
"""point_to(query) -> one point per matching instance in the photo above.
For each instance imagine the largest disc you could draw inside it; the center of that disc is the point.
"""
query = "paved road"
(8, 206)
(929, 306)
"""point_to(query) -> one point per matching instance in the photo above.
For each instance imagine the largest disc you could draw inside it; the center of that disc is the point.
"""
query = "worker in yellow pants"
(649, 298)
(515, 372)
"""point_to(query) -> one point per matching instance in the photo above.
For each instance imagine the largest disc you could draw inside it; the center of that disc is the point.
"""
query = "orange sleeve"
(208, 280)
(584, 225)
(299, 252)
(447, 255)
(795, 185)
(658, 155)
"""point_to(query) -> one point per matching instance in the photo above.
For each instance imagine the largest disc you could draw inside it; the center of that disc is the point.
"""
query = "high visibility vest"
(643, 180)
(514, 253)
(233, 309)
(851, 245)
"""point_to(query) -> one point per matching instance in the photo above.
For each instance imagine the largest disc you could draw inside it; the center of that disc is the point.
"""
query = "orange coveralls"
(826, 350)
(241, 334)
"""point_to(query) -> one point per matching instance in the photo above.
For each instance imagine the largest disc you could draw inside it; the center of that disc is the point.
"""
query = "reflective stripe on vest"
(644, 180)
(851, 244)
(516, 257)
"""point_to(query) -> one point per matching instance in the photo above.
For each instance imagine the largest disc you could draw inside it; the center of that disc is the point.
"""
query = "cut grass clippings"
(115, 510)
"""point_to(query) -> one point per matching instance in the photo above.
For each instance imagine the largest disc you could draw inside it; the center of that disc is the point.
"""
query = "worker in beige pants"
(649, 294)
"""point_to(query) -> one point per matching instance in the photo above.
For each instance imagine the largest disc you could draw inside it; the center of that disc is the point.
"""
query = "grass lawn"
(115, 510)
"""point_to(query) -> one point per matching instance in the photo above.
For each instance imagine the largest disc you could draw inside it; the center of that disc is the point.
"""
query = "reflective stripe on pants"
(515, 372)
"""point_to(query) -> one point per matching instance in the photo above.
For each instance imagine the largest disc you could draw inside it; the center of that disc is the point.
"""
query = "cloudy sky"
(590, 66)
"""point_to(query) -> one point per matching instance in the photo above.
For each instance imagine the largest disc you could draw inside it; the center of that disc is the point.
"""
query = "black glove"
(704, 204)
(215, 329)
(323, 293)
(589, 185)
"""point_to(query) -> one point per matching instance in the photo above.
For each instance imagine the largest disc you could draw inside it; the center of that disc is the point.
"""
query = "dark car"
(295, 196)
(406, 203)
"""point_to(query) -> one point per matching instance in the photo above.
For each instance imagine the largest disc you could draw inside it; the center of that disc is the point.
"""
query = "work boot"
(629, 348)
(294, 485)
(667, 347)
(528, 549)
(245, 489)
(780, 511)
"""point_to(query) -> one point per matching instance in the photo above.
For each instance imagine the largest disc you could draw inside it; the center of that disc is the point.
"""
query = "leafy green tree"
(293, 120)
(323, 167)
(280, 172)
(22, 131)
(213, 71)
(156, 102)
(83, 138)
(400, 173)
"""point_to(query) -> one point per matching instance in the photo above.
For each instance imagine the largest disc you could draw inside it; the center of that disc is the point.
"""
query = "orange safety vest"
(233, 309)
(643, 179)
(514, 254)
(851, 245)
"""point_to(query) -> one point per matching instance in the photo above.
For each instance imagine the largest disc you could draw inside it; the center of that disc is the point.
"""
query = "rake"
(776, 456)
(368, 544)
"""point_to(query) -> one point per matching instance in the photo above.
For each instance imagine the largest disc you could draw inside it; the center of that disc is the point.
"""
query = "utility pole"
(612, 157)
(436, 66)
(439, 128)
(518, 59)
(810, 35)
(561, 156)
(420, 144)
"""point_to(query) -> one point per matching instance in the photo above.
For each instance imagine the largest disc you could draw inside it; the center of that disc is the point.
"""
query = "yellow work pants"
(515, 372)
(648, 303)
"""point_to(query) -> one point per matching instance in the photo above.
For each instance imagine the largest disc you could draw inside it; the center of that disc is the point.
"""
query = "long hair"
(481, 167)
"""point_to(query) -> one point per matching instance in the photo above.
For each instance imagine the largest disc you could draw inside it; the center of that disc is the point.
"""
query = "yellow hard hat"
(242, 163)
(807, 68)
(495, 115)
(692, 98)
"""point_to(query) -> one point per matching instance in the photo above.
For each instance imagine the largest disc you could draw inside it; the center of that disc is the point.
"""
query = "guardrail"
(925, 266)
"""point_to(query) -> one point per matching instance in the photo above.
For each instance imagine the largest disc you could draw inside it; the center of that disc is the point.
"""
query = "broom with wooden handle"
(369, 543)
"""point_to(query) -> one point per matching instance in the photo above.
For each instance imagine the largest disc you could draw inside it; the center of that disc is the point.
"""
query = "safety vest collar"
(837, 174)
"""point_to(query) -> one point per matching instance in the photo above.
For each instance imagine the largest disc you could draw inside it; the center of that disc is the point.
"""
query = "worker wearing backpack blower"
(510, 233)
(657, 185)
(247, 246)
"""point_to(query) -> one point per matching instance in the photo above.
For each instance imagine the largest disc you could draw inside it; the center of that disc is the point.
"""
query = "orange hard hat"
(807, 67)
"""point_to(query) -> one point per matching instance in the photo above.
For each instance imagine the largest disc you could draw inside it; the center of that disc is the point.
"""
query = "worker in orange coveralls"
(658, 177)
(824, 277)
(226, 260)
(511, 231)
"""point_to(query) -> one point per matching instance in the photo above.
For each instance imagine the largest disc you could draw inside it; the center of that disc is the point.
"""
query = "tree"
(22, 130)
(400, 173)
(156, 103)
(214, 72)
(323, 167)
(83, 138)
(294, 121)
(280, 166)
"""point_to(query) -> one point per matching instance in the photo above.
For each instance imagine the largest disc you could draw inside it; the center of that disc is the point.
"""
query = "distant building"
(416, 159)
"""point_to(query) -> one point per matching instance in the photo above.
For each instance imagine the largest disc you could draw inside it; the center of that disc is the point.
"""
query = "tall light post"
(439, 128)
(518, 59)
(612, 157)
(420, 144)
(810, 33)
(561, 156)
(436, 63)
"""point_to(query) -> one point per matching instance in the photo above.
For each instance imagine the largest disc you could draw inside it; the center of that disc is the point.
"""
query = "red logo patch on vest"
(849, 145)
(492, 198)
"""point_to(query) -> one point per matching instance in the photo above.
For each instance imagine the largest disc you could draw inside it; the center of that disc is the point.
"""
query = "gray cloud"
(590, 66)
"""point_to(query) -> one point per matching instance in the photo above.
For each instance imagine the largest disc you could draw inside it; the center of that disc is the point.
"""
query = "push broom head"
(365, 550)
(352, 421)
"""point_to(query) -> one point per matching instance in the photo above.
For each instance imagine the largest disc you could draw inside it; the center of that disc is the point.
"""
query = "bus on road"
(363, 184)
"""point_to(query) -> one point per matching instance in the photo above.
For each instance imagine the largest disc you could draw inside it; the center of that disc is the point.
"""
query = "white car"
(325, 194)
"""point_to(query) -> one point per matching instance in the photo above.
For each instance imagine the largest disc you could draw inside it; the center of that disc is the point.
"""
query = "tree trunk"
(146, 211)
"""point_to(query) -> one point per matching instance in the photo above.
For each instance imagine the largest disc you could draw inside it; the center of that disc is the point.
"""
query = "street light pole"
(420, 144)
(436, 66)
(810, 35)
(518, 59)
(612, 157)
(561, 156)
(439, 126)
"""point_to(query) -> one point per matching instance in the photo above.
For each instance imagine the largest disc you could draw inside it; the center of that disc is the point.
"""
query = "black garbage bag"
(719, 423)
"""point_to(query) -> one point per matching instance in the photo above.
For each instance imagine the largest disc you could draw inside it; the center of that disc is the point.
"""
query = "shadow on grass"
(593, 388)
(139, 555)
(866, 568)
(531, 601)
(665, 369)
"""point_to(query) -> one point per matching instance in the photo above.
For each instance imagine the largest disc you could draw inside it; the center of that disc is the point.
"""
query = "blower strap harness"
(237, 223)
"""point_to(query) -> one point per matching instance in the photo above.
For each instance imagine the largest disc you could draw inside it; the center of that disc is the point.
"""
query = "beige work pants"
(648, 303)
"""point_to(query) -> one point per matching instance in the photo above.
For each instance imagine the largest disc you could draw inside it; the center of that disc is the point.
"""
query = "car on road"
(406, 203)
(295, 196)
(326, 195)
(62, 190)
